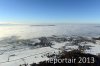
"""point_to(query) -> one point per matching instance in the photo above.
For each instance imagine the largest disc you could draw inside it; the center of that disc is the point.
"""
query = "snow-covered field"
(19, 44)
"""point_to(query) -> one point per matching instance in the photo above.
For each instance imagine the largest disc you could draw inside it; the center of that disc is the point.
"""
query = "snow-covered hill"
(31, 44)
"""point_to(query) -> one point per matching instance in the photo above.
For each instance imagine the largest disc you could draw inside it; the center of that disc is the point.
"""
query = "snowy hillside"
(31, 44)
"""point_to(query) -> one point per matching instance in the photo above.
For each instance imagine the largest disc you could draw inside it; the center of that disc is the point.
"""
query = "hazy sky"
(50, 11)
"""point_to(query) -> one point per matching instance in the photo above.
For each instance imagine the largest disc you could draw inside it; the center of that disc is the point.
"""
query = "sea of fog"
(32, 31)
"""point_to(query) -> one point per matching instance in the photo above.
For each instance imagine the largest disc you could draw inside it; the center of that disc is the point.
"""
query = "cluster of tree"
(98, 38)
(79, 39)
(43, 42)
(73, 39)
(75, 54)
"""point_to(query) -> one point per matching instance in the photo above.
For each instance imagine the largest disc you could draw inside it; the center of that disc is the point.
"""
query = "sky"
(49, 11)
